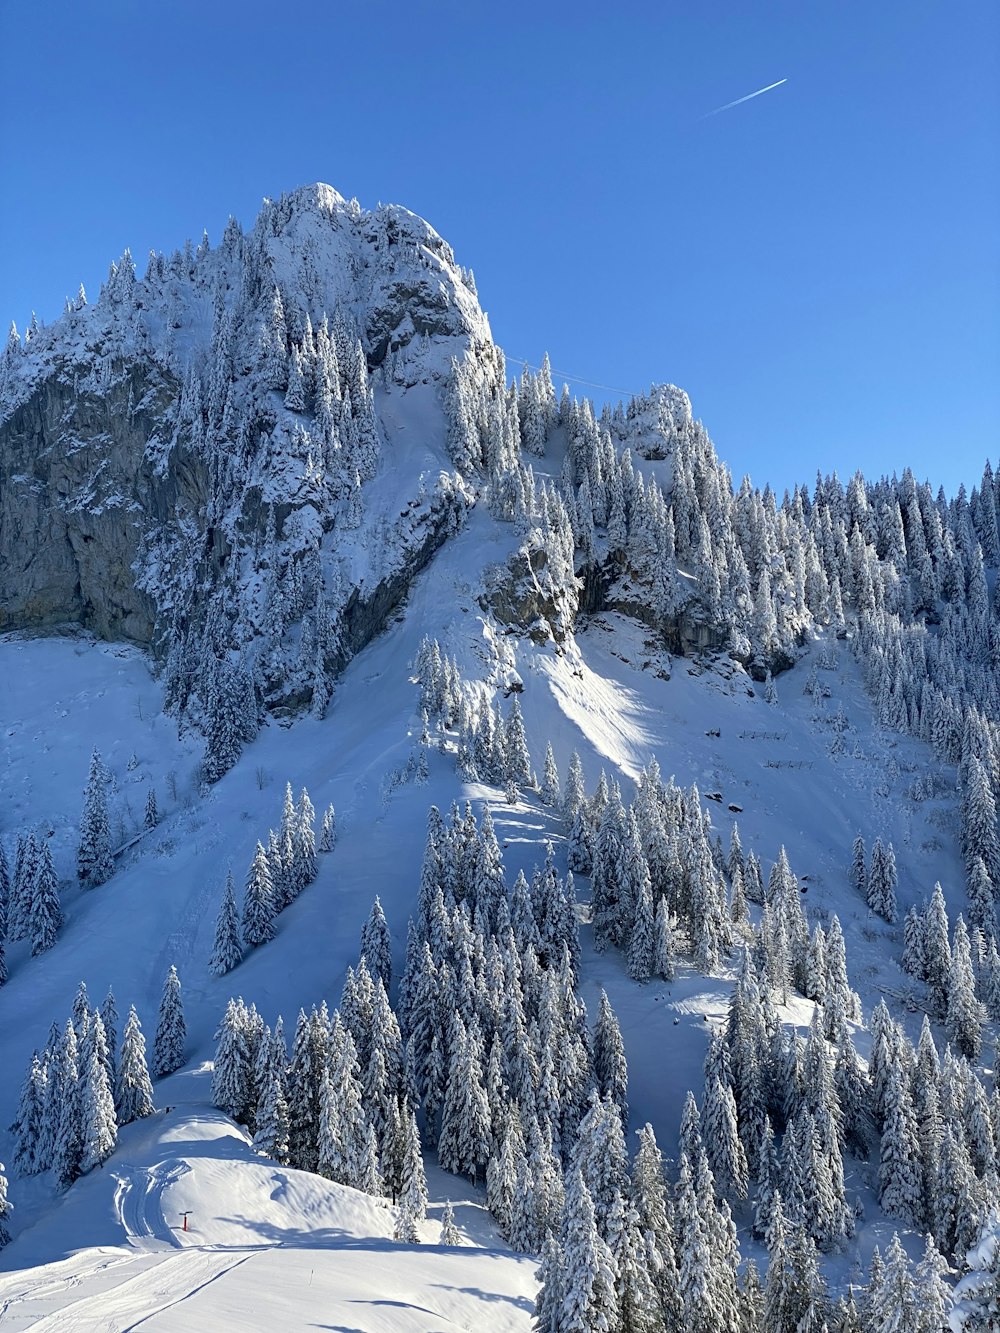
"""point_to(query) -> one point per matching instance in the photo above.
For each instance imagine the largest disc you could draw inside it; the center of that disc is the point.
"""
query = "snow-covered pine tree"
(376, 945)
(450, 1234)
(304, 839)
(517, 760)
(610, 1065)
(45, 915)
(642, 953)
(66, 1107)
(328, 835)
(271, 1133)
(227, 951)
(964, 1013)
(94, 862)
(151, 817)
(171, 1030)
(133, 1089)
(550, 793)
(413, 1181)
(900, 1177)
(28, 1124)
(6, 1208)
(859, 866)
(98, 1124)
(258, 902)
(589, 1296)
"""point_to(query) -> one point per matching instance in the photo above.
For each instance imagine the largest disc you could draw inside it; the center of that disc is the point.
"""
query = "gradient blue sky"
(819, 267)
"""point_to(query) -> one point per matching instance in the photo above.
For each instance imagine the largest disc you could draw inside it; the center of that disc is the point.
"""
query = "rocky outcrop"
(79, 500)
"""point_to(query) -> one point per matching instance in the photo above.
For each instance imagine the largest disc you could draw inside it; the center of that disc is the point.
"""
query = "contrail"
(730, 105)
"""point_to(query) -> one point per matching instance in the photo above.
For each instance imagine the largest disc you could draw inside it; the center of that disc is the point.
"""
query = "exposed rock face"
(78, 499)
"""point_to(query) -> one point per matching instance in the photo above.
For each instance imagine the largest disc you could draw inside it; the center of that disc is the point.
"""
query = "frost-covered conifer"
(465, 1139)
(610, 1065)
(589, 1296)
(171, 1030)
(550, 794)
(517, 760)
(99, 1127)
(376, 946)
(232, 1075)
(574, 793)
(328, 834)
(258, 902)
(964, 1013)
(44, 911)
(133, 1089)
(227, 951)
(151, 818)
(28, 1124)
(271, 1133)
(94, 863)
(882, 881)
(859, 866)
(66, 1107)
(642, 946)
(770, 689)
(900, 1184)
(304, 839)
(6, 1208)
(450, 1234)
(413, 1181)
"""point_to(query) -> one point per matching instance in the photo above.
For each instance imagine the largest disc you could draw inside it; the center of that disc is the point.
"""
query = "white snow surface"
(272, 1247)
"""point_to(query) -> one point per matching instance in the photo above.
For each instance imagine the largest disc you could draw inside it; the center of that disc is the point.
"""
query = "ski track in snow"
(144, 1295)
(138, 1201)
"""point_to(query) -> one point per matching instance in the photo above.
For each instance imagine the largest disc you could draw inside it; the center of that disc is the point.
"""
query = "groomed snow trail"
(143, 1295)
(138, 1205)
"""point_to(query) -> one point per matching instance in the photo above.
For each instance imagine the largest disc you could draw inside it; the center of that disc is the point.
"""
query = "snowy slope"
(605, 694)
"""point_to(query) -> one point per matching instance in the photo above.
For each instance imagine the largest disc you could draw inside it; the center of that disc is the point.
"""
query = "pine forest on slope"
(280, 543)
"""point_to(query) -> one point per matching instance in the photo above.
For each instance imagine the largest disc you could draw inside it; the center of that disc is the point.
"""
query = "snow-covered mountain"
(274, 514)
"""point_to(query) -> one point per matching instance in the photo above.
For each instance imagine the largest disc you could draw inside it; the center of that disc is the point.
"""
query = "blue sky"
(819, 267)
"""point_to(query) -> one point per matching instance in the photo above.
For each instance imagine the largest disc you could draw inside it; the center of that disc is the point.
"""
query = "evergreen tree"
(133, 1089)
(450, 1234)
(28, 1124)
(664, 942)
(893, 1307)
(610, 1066)
(271, 1133)
(151, 818)
(590, 1299)
(304, 839)
(964, 1013)
(227, 951)
(109, 1019)
(171, 1030)
(99, 1127)
(94, 863)
(44, 911)
(642, 946)
(550, 794)
(6, 1208)
(258, 902)
(900, 1183)
(376, 946)
(517, 761)
(932, 1293)
(859, 866)
(66, 1107)
(413, 1183)
(328, 835)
